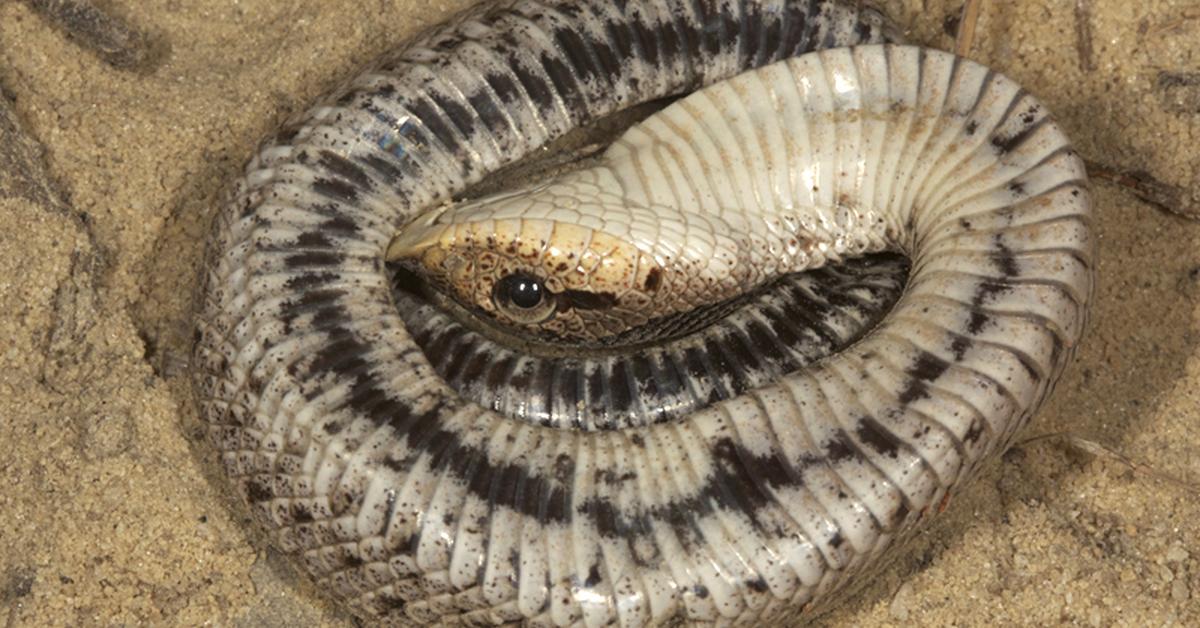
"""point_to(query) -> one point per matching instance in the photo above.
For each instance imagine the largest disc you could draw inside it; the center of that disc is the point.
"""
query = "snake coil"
(770, 475)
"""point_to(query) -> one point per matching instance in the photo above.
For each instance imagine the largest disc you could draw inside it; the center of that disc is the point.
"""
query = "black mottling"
(620, 391)
(539, 91)
(593, 577)
(750, 359)
(497, 374)
(428, 114)
(648, 41)
(574, 48)
(974, 432)
(336, 189)
(724, 364)
(519, 379)
(301, 513)
(673, 42)
(473, 370)
(839, 448)
(342, 357)
(771, 346)
(310, 281)
(876, 437)
(392, 603)
(311, 299)
(385, 91)
(460, 352)
(345, 169)
(772, 469)
(645, 384)
(597, 387)
(340, 224)
(959, 347)
(926, 369)
(256, 491)
(505, 87)
(382, 165)
(603, 514)
(458, 114)
(1004, 258)
(977, 322)
(622, 40)
(735, 488)
(306, 259)
(492, 114)
(314, 239)
(1005, 145)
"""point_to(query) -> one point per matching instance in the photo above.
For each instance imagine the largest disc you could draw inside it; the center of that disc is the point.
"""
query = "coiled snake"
(607, 398)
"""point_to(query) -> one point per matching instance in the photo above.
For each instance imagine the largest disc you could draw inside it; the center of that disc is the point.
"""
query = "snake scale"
(427, 461)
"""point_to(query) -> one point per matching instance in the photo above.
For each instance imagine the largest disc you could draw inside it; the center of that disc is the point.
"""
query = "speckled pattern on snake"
(613, 397)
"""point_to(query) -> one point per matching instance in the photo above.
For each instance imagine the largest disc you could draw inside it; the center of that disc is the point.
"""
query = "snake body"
(729, 474)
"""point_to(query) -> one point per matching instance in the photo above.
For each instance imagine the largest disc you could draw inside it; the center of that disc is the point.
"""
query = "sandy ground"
(110, 514)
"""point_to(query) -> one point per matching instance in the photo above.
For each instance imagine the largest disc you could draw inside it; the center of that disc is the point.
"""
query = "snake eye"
(523, 298)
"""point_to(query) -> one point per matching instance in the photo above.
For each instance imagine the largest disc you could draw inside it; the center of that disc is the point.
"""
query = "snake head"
(537, 272)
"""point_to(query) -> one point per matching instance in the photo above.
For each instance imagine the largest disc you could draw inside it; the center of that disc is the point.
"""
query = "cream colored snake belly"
(615, 397)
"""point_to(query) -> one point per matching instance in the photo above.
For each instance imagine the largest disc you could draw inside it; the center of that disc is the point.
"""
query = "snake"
(715, 375)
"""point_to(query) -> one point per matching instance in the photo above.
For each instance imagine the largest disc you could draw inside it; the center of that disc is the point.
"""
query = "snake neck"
(739, 242)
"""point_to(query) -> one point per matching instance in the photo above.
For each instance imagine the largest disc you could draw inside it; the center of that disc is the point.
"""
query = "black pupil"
(524, 291)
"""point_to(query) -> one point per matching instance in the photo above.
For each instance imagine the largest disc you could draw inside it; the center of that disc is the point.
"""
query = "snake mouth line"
(688, 362)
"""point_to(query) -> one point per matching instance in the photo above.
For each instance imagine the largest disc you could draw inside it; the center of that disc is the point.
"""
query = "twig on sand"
(1165, 196)
(1083, 35)
(1175, 25)
(1088, 446)
(24, 176)
(109, 37)
(966, 27)
(23, 172)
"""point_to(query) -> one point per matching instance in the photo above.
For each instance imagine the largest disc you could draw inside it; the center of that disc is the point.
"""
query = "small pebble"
(1166, 574)
(106, 435)
(1179, 590)
(1177, 554)
(899, 608)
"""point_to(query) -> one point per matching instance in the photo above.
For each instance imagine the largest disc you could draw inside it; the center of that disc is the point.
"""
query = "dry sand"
(110, 514)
